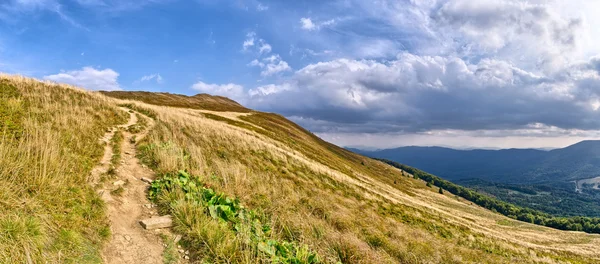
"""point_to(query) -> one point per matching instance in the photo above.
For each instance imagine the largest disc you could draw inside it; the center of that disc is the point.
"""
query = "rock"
(128, 238)
(146, 180)
(187, 252)
(119, 183)
(127, 152)
(148, 206)
(157, 222)
(180, 251)
(177, 239)
(186, 257)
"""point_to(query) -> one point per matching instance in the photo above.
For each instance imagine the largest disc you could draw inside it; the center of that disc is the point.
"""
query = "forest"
(573, 223)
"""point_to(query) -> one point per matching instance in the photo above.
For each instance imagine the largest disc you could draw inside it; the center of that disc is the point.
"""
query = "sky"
(358, 73)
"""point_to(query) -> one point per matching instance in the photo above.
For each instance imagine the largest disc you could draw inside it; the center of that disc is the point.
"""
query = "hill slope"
(255, 188)
(199, 101)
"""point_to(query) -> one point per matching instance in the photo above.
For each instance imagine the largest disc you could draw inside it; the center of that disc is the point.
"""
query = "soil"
(129, 242)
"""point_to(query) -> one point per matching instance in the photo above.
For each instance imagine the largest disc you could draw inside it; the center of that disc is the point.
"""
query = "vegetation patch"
(228, 210)
(147, 112)
(586, 224)
(48, 211)
(116, 142)
(200, 101)
(11, 111)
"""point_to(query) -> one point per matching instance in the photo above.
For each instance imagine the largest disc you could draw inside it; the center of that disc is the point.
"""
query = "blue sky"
(382, 73)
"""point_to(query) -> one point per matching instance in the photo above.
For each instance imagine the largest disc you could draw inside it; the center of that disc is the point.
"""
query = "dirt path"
(129, 243)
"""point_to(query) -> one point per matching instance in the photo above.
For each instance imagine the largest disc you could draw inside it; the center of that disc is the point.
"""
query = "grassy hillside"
(48, 145)
(199, 101)
(321, 200)
(243, 187)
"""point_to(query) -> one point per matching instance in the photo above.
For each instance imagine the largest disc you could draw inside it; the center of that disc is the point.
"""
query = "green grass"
(116, 142)
(11, 111)
(172, 190)
(170, 255)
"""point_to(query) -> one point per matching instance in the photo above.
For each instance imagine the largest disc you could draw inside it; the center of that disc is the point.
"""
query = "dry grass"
(199, 101)
(348, 208)
(342, 205)
(48, 145)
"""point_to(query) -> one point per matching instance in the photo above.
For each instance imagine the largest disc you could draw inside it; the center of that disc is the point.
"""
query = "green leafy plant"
(223, 208)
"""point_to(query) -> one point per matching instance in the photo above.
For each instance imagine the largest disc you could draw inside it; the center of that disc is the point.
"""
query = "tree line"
(577, 223)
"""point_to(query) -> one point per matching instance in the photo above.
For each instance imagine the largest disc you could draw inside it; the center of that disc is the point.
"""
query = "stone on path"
(119, 183)
(157, 222)
(146, 180)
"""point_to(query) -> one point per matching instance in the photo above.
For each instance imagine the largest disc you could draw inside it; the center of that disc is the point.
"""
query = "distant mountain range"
(515, 166)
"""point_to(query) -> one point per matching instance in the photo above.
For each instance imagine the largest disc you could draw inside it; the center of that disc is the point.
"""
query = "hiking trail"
(125, 196)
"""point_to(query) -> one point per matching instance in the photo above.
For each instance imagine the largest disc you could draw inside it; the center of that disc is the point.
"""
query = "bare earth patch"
(127, 205)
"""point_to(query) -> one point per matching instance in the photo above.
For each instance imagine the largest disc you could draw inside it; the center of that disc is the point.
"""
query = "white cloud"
(262, 7)
(271, 65)
(264, 48)
(89, 78)
(308, 24)
(249, 42)
(256, 44)
(156, 77)
(230, 90)
(534, 34)
(413, 94)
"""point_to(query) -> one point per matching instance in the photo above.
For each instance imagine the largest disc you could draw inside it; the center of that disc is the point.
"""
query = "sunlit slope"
(49, 142)
(199, 101)
(343, 206)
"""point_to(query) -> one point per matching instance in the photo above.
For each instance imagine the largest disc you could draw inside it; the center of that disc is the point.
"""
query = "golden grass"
(48, 214)
(199, 101)
(344, 206)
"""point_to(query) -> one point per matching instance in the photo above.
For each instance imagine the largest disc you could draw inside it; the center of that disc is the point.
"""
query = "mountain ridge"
(514, 165)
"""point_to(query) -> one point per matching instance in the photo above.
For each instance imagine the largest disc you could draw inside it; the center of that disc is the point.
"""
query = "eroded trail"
(125, 197)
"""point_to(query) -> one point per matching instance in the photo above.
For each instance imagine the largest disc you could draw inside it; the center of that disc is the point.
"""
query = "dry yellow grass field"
(341, 206)
(48, 145)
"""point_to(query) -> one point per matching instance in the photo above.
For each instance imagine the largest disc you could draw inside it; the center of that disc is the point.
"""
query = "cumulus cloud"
(513, 29)
(256, 44)
(271, 65)
(89, 78)
(416, 93)
(307, 24)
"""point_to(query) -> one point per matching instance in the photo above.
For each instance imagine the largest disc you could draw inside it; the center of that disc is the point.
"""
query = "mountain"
(235, 185)
(543, 180)
(520, 166)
